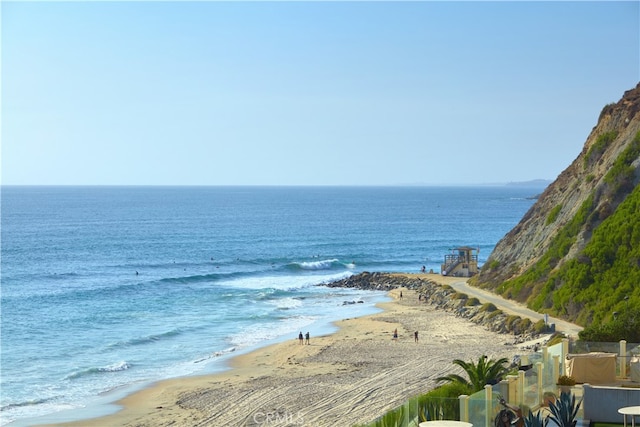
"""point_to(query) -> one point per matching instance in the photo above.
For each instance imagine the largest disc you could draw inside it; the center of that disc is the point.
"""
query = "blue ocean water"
(107, 288)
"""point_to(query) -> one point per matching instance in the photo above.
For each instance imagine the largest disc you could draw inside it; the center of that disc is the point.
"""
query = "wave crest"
(147, 339)
(26, 403)
(116, 367)
(217, 354)
(326, 264)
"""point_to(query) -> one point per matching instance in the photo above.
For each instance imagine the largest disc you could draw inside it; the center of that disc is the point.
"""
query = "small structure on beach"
(462, 262)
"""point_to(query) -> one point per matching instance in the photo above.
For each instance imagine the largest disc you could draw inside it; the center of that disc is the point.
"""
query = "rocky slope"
(583, 196)
(576, 253)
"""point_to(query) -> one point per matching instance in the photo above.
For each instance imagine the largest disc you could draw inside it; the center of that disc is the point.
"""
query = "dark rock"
(436, 295)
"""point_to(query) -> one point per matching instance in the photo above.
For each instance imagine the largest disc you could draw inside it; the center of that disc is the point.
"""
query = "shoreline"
(347, 377)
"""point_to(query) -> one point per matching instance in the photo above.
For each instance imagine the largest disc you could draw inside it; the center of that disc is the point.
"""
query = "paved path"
(513, 307)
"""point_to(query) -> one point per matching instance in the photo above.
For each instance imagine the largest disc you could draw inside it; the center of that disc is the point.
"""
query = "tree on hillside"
(486, 371)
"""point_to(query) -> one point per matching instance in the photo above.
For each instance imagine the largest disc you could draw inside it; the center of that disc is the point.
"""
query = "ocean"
(107, 289)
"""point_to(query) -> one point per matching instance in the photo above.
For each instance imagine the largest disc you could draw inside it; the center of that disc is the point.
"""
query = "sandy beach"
(351, 376)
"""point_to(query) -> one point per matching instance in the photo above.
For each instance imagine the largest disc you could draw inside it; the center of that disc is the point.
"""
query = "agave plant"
(565, 410)
(486, 371)
(536, 420)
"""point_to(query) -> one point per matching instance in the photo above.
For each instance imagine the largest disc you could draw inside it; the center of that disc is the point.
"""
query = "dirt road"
(513, 307)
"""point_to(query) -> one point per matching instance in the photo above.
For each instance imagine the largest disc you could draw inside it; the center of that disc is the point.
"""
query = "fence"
(526, 389)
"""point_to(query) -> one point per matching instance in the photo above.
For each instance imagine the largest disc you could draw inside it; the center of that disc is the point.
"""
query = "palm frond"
(483, 372)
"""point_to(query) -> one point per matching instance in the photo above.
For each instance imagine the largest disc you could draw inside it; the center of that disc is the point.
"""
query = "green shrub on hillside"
(624, 326)
(556, 338)
(511, 320)
(599, 147)
(472, 302)
(488, 307)
(520, 287)
(607, 270)
(494, 314)
(553, 215)
(540, 327)
(621, 175)
(525, 324)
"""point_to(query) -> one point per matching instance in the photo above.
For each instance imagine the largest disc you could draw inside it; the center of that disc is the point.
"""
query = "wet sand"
(351, 376)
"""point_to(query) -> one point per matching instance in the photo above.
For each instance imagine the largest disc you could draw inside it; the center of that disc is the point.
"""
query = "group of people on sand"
(395, 335)
(303, 339)
(395, 331)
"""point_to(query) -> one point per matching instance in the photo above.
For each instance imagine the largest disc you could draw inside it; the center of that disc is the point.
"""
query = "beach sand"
(351, 376)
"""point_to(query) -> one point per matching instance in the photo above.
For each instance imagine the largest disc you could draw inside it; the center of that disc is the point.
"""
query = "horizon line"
(530, 182)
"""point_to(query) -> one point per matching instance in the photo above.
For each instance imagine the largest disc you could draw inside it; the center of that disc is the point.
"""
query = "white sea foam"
(263, 333)
(286, 303)
(317, 265)
(285, 282)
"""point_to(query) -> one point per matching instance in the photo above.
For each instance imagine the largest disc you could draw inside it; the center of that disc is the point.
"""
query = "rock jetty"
(444, 297)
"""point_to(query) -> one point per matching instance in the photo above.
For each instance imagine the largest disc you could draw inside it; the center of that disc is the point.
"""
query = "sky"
(306, 93)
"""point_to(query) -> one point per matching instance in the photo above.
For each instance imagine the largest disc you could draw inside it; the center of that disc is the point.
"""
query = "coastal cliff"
(576, 252)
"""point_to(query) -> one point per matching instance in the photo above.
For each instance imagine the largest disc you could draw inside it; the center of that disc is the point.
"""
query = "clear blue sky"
(307, 93)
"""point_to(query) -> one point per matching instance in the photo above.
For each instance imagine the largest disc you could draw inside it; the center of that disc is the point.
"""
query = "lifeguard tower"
(462, 262)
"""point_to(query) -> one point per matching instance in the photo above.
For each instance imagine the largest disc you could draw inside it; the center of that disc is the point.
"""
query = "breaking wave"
(117, 367)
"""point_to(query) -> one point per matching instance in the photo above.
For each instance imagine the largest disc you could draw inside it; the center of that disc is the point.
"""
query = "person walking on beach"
(300, 338)
(307, 337)
(400, 294)
(395, 334)
(415, 336)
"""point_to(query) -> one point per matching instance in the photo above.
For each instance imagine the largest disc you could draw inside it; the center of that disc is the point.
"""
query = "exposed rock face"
(525, 244)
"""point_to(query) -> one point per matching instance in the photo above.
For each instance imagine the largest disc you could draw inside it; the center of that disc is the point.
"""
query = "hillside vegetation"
(576, 253)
